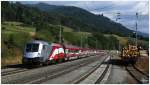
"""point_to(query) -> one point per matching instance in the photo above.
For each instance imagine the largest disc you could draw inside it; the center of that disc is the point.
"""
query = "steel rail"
(13, 71)
(103, 75)
(84, 76)
(60, 72)
(23, 69)
(136, 72)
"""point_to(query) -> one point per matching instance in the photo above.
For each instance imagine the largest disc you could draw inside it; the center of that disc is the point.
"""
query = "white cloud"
(142, 7)
(128, 11)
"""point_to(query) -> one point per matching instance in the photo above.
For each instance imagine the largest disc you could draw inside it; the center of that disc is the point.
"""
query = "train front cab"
(36, 53)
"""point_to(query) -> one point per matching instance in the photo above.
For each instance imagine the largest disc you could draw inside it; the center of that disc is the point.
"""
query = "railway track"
(98, 80)
(137, 75)
(102, 75)
(58, 73)
(45, 74)
(18, 70)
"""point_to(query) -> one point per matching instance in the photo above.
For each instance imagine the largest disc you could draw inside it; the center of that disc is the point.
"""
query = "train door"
(66, 54)
(49, 51)
(45, 53)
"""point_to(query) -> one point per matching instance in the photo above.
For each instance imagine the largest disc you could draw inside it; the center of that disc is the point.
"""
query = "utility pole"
(136, 28)
(60, 35)
(117, 17)
(81, 41)
(129, 38)
(96, 44)
(80, 38)
(87, 45)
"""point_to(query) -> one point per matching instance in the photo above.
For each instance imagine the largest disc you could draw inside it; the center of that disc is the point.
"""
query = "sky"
(127, 10)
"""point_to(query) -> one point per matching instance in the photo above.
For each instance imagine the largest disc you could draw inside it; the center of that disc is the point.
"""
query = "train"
(130, 54)
(44, 53)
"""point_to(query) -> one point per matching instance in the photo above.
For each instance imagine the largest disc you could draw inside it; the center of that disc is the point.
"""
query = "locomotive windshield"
(32, 47)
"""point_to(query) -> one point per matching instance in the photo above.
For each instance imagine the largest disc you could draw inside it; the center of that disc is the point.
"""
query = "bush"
(13, 41)
(20, 39)
(3, 28)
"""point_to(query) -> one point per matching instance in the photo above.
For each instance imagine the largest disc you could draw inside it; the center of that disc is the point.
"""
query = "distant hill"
(78, 18)
(143, 34)
(44, 7)
(73, 17)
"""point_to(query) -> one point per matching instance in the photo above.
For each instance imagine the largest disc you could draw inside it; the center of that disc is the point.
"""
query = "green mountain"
(78, 18)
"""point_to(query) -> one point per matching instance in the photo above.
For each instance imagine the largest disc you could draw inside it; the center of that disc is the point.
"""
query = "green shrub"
(13, 41)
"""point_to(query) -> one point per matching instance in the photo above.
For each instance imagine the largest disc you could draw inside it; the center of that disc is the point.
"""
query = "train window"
(32, 47)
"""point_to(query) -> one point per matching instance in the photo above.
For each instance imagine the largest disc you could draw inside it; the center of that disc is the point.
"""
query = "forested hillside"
(79, 18)
(73, 17)
(47, 24)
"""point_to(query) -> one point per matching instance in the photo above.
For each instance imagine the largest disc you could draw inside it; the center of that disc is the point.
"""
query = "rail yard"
(102, 68)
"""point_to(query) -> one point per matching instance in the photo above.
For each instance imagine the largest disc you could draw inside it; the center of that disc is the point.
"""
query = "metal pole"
(118, 14)
(81, 41)
(86, 41)
(60, 34)
(136, 35)
(129, 39)
(136, 27)
(96, 44)
(80, 38)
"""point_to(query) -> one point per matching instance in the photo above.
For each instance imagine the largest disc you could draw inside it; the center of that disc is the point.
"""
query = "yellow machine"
(130, 54)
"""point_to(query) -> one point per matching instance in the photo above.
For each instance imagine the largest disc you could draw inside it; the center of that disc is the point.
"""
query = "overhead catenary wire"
(117, 14)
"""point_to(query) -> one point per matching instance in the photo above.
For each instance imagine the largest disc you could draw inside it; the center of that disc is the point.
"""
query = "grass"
(75, 37)
(67, 29)
(12, 59)
(13, 39)
(84, 33)
(124, 40)
(13, 27)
